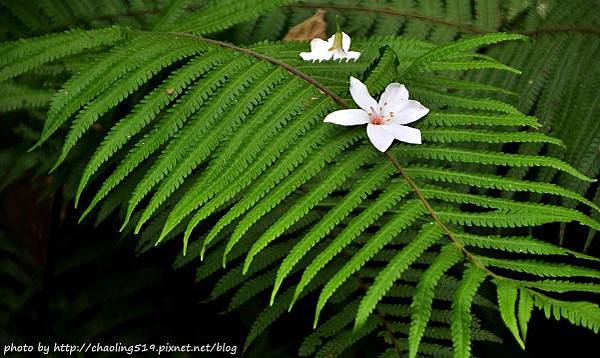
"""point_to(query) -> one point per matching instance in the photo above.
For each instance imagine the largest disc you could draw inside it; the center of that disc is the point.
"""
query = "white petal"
(315, 56)
(339, 54)
(360, 95)
(318, 45)
(352, 55)
(404, 133)
(346, 42)
(394, 94)
(408, 112)
(380, 137)
(348, 117)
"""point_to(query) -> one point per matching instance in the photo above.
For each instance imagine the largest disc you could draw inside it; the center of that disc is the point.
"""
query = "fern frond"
(221, 14)
(453, 48)
(562, 286)
(356, 195)
(282, 141)
(507, 299)
(443, 119)
(146, 111)
(123, 87)
(579, 313)
(421, 306)
(210, 138)
(461, 311)
(198, 127)
(428, 236)
(495, 182)
(384, 235)
(81, 89)
(167, 127)
(271, 312)
(171, 13)
(490, 158)
(384, 202)
(25, 55)
(524, 309)
(15, 97)
(452, 135)
(464, 102)
(518, 244)
(330, 182)
(298, 177)
(541, 268)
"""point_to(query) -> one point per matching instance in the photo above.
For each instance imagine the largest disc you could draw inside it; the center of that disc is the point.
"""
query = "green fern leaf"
(454, 48)
(461, 311)
(145, 112)
(366, 218)
(428, 236)
(332, 180)
(424, 294)
(166, 128)
(198, 127)
(524, 309)
(25, 55)
(507, 298)
(366, 186)
(583, 314)
(540, 268)
(122, 88)
(221, 14)
(300, 176)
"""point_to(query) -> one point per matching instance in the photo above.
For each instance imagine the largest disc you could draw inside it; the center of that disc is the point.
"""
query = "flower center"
(377, 119)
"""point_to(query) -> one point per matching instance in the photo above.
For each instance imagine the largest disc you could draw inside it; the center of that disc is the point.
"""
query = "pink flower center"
(376, 117)
(377, 120)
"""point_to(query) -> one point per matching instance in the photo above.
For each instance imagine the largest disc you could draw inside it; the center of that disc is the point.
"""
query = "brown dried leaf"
(311, 28)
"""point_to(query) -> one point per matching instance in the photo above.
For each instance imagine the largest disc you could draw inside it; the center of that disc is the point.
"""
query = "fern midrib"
(340, 101)
(471, 257)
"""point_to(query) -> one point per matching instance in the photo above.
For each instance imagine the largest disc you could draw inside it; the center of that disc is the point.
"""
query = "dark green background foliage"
(133, 124)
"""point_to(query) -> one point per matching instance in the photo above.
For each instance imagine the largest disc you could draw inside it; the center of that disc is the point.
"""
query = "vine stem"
(439, 20)
(385, 11)
(339, 100)
(391, 12)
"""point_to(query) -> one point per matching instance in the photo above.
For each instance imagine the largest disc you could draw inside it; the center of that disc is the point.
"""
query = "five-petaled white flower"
(337, 46)
(385, 120)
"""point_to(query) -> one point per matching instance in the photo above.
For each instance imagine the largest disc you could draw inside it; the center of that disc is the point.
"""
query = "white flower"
(337, 46)
(385, 120)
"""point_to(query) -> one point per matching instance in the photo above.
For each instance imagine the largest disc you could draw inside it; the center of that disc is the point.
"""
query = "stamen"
(377, 120)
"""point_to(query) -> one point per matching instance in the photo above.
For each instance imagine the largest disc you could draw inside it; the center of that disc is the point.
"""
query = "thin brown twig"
(384, 11)
(392, 12)
(436, 219)
(439, 20)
